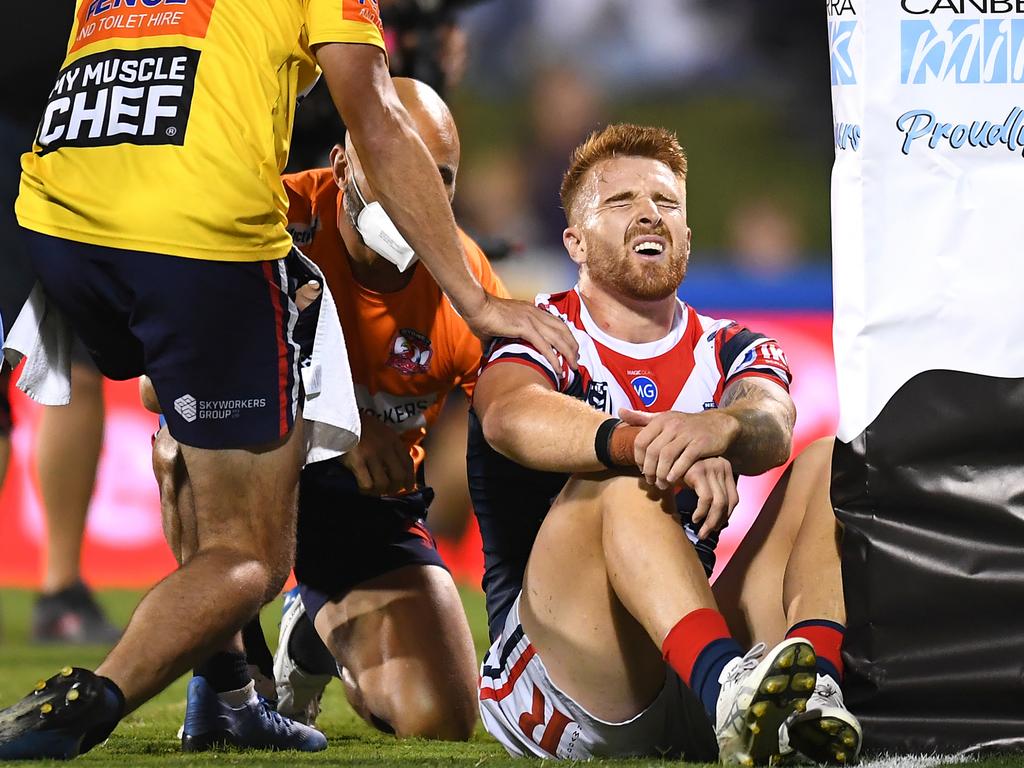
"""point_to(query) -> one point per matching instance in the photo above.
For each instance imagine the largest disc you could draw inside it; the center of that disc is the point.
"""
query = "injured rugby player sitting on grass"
(607, 638)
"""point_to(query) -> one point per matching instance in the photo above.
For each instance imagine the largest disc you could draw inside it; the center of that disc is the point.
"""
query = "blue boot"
(209, 723)
(63, 717)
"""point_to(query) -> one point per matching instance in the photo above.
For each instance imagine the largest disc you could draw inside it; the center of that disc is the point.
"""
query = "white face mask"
(381, 235)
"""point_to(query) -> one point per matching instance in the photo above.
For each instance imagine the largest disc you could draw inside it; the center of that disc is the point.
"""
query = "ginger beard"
(616, 267)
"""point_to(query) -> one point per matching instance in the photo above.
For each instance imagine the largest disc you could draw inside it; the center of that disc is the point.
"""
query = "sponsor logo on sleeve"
(410, 352)
(362, 10)
(399, 412)
(121, 97)
(106, 19)
(645, 389)
(303, 233)
(772, 353)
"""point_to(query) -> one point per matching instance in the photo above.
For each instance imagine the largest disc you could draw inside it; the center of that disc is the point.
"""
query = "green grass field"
(147, 737)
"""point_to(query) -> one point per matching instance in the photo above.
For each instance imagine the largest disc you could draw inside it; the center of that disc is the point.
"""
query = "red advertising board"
(124, 543)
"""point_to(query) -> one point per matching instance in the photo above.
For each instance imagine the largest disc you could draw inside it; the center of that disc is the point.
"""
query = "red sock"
(827, 639)
(690, 636)
(698, 648)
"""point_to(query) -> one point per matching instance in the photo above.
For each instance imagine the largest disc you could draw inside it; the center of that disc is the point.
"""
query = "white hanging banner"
(927, 194)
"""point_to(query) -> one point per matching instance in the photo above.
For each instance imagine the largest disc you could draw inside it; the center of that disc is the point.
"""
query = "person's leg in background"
(5, 423)
(68, 446)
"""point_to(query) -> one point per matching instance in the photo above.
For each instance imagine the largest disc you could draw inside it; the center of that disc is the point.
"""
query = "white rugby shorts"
(531, 717)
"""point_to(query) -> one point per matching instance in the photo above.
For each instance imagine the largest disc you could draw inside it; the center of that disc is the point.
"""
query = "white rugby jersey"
(685, 371)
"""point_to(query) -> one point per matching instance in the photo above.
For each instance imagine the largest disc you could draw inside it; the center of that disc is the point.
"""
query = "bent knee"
(426, 712)
(251, 578)
(602, 493)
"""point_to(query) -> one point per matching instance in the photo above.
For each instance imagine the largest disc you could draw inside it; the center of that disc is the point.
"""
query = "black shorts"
(215, 337)
(6, 422)
(345, 538)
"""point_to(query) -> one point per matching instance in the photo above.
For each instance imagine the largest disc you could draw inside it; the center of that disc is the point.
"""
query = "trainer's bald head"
(435, 125)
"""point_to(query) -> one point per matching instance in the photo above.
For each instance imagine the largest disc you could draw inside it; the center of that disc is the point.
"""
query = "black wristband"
(603, 440)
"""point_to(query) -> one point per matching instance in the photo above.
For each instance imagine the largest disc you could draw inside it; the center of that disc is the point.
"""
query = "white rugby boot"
(827, 732)
(298, 692)
(758, 695)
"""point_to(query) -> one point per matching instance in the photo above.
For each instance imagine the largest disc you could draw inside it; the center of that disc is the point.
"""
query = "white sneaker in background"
(298, 692)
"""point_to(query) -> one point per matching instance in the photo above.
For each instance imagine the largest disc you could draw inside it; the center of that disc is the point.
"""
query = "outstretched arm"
(406, 180)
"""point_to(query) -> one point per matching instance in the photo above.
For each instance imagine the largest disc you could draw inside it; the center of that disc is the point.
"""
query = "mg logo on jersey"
(840, 35)
(186, 407)
(645, 389)
(962, 51)
(410, 352)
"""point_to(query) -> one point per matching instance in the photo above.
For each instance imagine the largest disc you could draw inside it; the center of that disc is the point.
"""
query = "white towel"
(329, 411)
(42, 334)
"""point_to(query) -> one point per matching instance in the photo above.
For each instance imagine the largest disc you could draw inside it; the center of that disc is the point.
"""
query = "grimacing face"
(628, 229)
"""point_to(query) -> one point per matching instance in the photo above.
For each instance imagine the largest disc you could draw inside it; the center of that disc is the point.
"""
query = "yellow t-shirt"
(169, 124)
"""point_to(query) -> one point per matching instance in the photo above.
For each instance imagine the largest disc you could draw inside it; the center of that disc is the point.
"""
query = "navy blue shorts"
(345, 538)
(6, 422)
(215, 337)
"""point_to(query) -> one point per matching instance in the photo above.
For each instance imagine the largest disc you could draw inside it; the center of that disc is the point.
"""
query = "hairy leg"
(611, 572)
(787, 569)
(244, 503)
(67, 452)
(178, 511)
(404, 643)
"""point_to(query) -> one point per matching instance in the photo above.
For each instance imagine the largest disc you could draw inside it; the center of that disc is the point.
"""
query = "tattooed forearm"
(766, 415)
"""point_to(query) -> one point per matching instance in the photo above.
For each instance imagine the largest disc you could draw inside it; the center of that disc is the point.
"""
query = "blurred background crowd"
(744, 83)
(528, 79)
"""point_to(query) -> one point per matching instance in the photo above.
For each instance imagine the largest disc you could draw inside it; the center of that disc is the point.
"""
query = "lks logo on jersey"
(645, 389)
(410, 352)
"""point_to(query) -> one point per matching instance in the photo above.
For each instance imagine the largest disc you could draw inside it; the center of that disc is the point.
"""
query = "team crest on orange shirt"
(366, 10)
(410, 352)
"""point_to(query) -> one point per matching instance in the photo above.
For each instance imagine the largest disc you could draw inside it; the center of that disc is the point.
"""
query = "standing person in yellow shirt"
(152, 193)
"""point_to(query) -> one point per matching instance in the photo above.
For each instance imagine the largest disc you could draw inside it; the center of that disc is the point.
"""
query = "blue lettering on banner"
(921, 123)
(840, 33)
(645, 389)
(847, 136)
(963, 51)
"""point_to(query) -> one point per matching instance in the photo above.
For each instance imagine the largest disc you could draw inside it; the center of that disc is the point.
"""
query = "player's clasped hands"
(380, 462)
(688, 448)
(519, 319)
